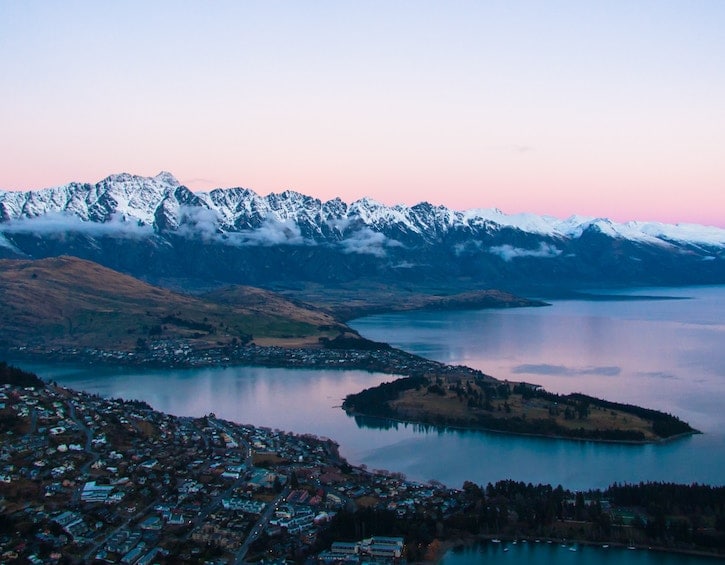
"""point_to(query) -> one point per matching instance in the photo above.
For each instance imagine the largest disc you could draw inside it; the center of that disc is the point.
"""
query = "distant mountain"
(66, 301)
(159, 230)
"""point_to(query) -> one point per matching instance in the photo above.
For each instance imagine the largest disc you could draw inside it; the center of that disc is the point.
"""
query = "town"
(359, 354)
(89, 479)
(84, 479)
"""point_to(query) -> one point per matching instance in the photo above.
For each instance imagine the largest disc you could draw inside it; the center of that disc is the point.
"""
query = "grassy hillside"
(346, 302)
(69, 301)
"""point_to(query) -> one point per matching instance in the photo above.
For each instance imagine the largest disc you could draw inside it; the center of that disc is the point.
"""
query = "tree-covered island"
(481, 402)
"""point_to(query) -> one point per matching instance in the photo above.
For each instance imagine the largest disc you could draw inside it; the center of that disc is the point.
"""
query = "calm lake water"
(664, 354)
(545, 554)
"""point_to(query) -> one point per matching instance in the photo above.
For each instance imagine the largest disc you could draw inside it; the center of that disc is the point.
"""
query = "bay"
(664, 354)
(545, 553)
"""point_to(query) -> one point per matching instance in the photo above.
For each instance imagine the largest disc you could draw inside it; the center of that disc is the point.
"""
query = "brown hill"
(259, 300)
(69, 301)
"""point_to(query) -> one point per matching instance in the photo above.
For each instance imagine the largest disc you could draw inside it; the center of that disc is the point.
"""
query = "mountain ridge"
(145, 195)
(288, 236)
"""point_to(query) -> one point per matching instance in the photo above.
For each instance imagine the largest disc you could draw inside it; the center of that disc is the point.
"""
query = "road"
(264, 518)
(259, 526)
(88, 448)
(99, 545)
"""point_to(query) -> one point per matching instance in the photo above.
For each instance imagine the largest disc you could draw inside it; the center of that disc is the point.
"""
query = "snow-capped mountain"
(155, 227)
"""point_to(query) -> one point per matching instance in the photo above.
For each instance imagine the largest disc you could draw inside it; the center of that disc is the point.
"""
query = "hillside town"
(85, 479)
(360, 354)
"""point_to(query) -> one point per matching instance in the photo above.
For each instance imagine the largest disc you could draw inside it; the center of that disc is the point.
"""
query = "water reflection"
(664, 354)
(376, 423)
(654, 354)
(545, 553)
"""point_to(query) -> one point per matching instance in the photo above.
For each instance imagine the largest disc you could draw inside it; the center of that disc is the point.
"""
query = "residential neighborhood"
(88, 479)
(376, 357)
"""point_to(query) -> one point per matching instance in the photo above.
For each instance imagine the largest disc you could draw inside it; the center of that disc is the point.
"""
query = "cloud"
(58, 224)
(271, 232)
(509, 252)
(468, 246)
(658, 375)
(339, 224)
(196, 221)
(564, 371)
(368, 242)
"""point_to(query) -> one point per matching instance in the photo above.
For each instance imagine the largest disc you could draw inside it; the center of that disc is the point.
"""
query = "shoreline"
(438, 548)
(383, 360)
(633, 443)
(380, 359)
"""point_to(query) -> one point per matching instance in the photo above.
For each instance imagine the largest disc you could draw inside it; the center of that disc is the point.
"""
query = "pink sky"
(558, 108)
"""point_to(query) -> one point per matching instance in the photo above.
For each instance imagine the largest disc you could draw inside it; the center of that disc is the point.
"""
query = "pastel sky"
(612, 108)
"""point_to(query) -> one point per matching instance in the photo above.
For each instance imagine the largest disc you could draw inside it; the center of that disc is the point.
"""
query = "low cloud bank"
(198, 223)
(368, 242)
(195, 221)
(271, 232)
(59, 224)
(509, 252)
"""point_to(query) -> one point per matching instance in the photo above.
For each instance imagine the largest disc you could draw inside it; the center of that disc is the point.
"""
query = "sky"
(608, 109)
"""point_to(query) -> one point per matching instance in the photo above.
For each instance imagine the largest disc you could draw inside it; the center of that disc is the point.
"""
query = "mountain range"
(156, 229)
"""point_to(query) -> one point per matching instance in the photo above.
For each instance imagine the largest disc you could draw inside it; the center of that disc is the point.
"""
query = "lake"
(545, 554)
(664, 354)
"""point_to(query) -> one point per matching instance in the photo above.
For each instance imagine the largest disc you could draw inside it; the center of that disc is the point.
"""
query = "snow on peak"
(150, 200)
(167, 178)
(531, 223)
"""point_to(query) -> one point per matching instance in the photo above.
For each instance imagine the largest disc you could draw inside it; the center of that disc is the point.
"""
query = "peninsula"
(485, 403)
(68, 309)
